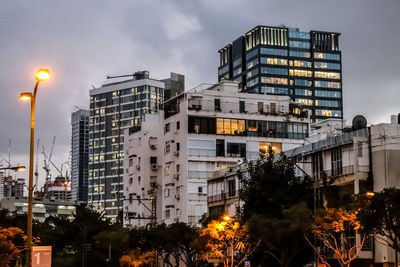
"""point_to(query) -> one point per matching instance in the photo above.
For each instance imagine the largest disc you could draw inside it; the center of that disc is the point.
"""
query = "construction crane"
(47, 163)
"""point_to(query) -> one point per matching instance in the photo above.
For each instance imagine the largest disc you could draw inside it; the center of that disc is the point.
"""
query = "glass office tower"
(285, 61)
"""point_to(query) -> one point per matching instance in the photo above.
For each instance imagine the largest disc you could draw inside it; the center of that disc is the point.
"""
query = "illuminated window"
(308, 102)
(327, 84)
(302, 63)
(274, 61)
(274, 80)
(265, 148)
(301, 73)
(327, 75)
(305, 92)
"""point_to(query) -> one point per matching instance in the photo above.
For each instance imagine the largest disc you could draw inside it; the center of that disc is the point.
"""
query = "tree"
(135, 258)
(12, 241)
(272, 193)
(337, 229)
(380, 214)
(282, 239)
(229, 241)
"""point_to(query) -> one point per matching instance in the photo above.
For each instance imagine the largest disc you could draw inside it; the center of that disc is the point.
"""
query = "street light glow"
(25, 96)
(21, 169)
(227, 218)
(42, 75)
(370, 194)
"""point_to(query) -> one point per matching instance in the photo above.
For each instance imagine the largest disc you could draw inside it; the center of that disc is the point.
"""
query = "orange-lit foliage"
(225, 240)
(135, 258)
(12, 241)
(334, 227)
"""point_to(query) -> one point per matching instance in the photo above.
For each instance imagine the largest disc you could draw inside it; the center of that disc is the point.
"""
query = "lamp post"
(15, 168)
(41, 75)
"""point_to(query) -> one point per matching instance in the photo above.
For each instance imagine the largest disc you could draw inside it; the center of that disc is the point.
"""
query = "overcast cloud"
(83, 41)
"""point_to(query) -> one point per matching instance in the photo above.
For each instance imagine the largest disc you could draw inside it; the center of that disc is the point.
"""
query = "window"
(252, 73)
(167, 214)
(299, 44)
(276, 71)
(327, 56)
(327, 103)
(167, 147)
(220, 148)
(299, 54)
(273, 51)
(328, 113)
(336, 161)
(242, 107)
(201, 125)
(178, 125)
(167, 127)
(300, 63)
(327, 75)
(230, 126)
(260, 107)
(274, 90)
(332, 94)
(231, 188)
(252, 63)
(236, 150)
(178, 146)
(301, 73)
(217, 104)
(327, 65)
(359, 149)
(308, 102)
(138, 179)
(200, 190)
(153, 160)
(265, 148)
(327, 84)
(274, 61)
(178, 168)
(303, 92)
(274, 80)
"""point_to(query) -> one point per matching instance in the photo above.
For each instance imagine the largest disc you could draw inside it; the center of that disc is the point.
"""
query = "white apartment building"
(199, 132)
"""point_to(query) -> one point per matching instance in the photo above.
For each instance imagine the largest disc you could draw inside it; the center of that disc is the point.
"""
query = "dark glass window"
(153, 160)
(167, 127)
(220, 148)
(236, 150)
(242, 107)
(217, 104)
(231, 188)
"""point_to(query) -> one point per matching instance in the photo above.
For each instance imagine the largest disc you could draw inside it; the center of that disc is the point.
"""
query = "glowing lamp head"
(370, 194)
(21, 169)
(25, 96)
(42, 75)
(227, 218)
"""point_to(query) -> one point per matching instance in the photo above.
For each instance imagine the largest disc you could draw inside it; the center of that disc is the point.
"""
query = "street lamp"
(15, 168)
(41, 75)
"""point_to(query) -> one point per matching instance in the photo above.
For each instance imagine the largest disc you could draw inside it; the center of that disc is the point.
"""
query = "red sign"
(41, 256)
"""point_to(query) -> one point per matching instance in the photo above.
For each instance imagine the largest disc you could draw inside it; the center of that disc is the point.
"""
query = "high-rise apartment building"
(171, 155)
(285, 61)
(116, 106)
(80, 154)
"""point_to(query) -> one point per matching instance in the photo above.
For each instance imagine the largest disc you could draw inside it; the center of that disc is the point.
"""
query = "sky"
(81, 42)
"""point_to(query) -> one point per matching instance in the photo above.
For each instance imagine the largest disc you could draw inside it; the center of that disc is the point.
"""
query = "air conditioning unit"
(153, 184)
(154, 166)
(153, 146)
(177, 196)
(137, 167)
(176, 153)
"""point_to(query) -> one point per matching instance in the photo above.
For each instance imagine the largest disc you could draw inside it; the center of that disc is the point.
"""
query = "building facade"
(80, 154)
(114, 107)
(42, 208)
(203, 130)
(285, 61)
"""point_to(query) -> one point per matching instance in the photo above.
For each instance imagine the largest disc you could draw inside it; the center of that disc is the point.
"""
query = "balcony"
(222, 196)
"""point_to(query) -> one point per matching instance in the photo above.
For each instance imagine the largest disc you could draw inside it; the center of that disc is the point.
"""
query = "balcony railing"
(222, 196)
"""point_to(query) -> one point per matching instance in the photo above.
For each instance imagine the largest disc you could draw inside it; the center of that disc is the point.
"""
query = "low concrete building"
(42, 208)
